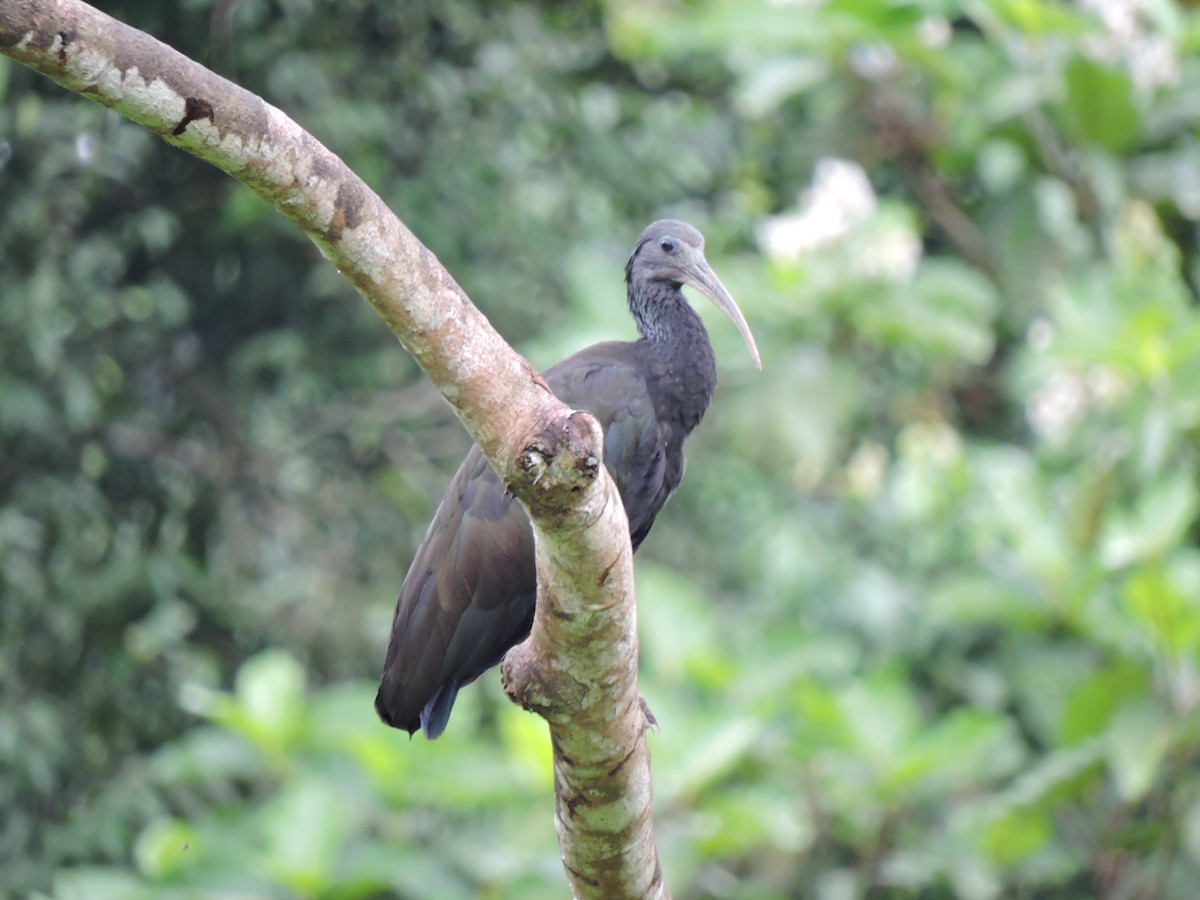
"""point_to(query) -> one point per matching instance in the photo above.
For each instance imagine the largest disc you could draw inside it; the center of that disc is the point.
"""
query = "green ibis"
(470, 593)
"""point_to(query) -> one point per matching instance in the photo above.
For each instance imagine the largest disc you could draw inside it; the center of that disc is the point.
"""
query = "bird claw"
(651, 723)
(534, 461)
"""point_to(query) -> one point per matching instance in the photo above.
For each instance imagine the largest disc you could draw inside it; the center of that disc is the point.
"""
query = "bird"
(470, 593)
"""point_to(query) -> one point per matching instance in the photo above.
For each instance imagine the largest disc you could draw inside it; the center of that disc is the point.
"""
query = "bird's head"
(672, 252)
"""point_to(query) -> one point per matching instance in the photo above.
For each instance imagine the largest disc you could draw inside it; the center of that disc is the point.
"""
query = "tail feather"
(384, 709)
(436, 713)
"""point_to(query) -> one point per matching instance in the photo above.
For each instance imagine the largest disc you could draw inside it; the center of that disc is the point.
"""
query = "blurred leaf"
(1039, 17)
(1100, 104)
(305, 826)
(1061, 771)
(740, 821)
(882, 716)
(1017, 834)
(945, 311)
(270, 687)
(169, 623)
(980, 599)
(774, 81)
(1137, 741)
(1094, 700)
(1162, 610)
(700, 764)
(821, 721)
(527, 739)
(206, 754)
(964, 747)
(1160, 516)
(676, 629)
(1089, 504)
(164, 846)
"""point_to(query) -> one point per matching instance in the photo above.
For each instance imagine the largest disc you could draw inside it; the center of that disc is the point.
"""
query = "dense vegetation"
(924, 619)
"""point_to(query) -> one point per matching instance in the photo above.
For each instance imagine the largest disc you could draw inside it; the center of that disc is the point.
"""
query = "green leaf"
(962, 749)
(164, 847)
(945, 311)
(305, 827)
(772, 82)
(1169, 614)
(1100, 104)
(1136, 743)
(268, 705)
(100, 883)
(975, 599)
(1160, 520)
(676, 629)
(1094, 700)
(1039, 17)
(527, 740)
(1016, 834)
(883, 717)
(1058, 773)
(706, 762)
(270, 687)
(749, 817)
(822, 721)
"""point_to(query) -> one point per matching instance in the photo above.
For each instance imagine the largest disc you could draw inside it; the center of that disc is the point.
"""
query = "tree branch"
(578, 670)
(579, 667)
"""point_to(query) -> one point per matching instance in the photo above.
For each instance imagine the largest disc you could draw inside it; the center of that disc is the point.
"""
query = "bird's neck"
(675, 338)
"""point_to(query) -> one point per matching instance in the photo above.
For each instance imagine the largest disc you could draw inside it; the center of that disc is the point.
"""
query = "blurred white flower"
(934, 32)
(1153, 63)
(1130, 40)
(838, 204)
(1119, 17)
(874, 61)
(839, 198)
(1056, 406)
(891, 254)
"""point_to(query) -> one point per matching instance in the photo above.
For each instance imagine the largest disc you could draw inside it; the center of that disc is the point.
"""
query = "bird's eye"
(667, 245)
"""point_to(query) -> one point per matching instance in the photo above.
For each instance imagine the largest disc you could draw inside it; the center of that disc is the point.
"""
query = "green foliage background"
(924, 620)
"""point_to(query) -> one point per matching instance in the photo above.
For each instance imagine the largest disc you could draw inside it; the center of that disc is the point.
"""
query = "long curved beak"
(699, 274)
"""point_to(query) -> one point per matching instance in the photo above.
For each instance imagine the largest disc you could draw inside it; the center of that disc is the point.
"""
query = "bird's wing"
(468, 597)
(605, 381)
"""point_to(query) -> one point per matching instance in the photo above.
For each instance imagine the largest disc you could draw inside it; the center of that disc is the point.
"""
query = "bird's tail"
(436, 713)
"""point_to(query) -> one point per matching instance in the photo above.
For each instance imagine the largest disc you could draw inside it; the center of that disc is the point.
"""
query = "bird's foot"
(650, 723)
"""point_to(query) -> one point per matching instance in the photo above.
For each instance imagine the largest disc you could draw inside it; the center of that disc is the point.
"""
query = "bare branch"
(579, 668)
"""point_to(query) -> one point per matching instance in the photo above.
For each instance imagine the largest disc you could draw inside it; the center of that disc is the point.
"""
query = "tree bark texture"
(579, 667)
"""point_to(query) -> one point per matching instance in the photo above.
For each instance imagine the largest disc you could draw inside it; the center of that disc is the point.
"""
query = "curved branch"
(582, 656)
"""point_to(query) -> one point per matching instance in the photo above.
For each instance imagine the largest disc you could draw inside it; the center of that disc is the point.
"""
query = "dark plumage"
(470, 593)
